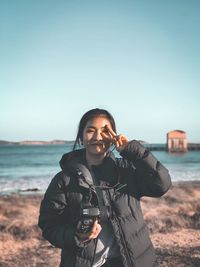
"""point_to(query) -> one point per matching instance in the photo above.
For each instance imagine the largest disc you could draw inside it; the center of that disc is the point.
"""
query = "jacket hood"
(75, 162)
(71, 158)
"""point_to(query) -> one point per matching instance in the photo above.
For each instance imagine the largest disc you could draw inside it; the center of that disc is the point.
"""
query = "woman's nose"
(97, 136)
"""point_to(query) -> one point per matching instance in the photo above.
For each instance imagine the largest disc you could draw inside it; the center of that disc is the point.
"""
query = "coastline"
(150, 146)
(173, 221)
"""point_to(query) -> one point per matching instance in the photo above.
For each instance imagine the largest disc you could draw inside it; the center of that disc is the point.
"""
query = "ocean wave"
(185, 175)
(28, 183)
(24, 168)
(25, 183)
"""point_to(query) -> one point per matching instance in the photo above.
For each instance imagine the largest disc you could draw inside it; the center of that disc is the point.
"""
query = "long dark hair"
(96, 112)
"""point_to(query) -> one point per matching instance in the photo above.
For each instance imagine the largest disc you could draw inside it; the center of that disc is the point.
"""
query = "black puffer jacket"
(142, 174)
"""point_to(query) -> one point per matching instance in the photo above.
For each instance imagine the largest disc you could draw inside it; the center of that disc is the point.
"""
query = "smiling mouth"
(97, 144)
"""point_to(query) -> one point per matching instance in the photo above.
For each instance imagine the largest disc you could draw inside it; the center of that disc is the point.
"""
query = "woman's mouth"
(98, 144)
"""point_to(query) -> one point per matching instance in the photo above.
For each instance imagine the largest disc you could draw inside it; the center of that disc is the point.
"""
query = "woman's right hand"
(120, 141)
(85, 237)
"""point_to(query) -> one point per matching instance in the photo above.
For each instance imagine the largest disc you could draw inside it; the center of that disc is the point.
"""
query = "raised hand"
(119, 141)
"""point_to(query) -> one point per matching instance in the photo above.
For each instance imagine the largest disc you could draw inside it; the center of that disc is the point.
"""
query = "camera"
(88, 215)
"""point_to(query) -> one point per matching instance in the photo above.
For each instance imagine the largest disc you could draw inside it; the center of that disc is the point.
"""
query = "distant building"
(177, 141)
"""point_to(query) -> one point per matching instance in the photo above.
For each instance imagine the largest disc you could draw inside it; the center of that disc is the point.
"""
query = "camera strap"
(102, 193)
(105, 210)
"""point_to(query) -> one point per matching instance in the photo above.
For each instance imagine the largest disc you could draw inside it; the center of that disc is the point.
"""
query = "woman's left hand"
(120, 141)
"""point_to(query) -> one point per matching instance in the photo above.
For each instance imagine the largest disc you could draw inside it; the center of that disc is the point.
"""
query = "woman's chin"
(98, 150)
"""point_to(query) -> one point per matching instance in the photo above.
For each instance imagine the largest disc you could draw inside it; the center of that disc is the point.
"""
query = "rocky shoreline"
(173, 222)
(38, 142)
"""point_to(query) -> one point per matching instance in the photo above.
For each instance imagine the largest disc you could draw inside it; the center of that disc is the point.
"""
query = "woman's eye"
(90, 131)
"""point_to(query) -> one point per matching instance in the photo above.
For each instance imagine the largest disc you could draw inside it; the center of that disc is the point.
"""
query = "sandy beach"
(173, 221)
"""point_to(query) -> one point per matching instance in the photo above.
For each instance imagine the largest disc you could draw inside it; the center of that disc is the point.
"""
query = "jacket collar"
(75, 162)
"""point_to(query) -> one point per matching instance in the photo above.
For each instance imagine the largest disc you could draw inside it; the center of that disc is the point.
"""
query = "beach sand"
(173, 221)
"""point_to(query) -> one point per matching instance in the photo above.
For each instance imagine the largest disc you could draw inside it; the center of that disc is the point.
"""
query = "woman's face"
(92, 138)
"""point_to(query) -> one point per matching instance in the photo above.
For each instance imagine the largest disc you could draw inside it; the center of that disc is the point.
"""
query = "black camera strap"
(103, 203)
(102, 191)
(99, 195)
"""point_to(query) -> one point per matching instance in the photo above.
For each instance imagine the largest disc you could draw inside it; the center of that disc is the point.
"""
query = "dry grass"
(174, 223)
(21, 243)
(173, 220)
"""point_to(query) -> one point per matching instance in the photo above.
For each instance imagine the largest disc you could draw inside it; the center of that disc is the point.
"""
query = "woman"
(91, 209)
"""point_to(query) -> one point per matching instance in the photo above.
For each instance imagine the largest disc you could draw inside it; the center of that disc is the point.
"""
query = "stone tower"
(177, 141)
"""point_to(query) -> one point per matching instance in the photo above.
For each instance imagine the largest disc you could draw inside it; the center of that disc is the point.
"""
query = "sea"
(28, 168)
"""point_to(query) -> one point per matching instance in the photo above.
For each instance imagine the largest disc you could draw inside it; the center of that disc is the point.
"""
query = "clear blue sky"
(138, 59)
